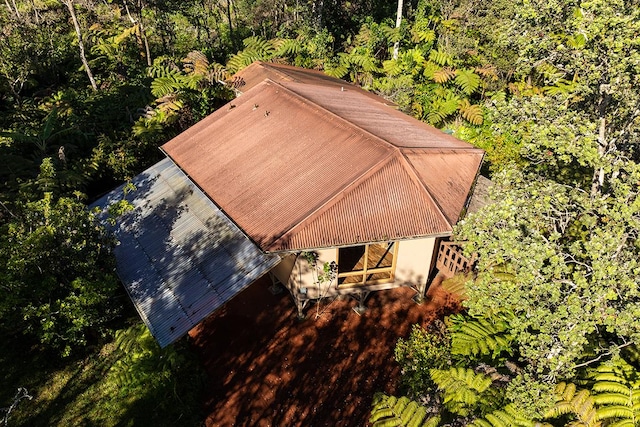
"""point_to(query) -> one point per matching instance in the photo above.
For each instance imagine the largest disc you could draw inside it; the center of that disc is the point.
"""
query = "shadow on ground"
(266, 368)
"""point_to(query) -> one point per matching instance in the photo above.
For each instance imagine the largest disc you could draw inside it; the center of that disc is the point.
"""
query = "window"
(367, 265)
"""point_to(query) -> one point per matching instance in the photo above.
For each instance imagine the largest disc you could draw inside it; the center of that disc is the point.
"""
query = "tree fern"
(255, 48)
(616, 392)
(162, 86)
(443, 75)
(456, 285)
(442, 107)
(479, 337)
(470, 112)
(196, 63)
(463, 389)
(467, 80)
(390, 411)
(440, 57)
(286, 47)
(505, 417)
(572, 401)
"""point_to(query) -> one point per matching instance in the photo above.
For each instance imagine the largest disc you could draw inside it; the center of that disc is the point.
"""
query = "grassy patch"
(127, 382)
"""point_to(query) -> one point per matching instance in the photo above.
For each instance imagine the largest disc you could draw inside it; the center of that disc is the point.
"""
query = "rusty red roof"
(302, 165)
(249, 77)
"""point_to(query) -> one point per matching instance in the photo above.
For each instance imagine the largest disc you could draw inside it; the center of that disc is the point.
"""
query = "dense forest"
(550, 89)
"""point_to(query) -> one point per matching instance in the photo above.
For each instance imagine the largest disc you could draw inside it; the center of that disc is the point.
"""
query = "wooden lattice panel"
(450, 259)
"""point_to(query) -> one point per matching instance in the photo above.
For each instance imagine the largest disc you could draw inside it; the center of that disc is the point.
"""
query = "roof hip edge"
(349, 124)
(327, 204)
(414, 175)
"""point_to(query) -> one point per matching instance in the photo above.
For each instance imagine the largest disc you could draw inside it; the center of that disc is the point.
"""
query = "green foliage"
(58, 276)
(465, 391)
(183, 95)
(505, 417)
(142, 365)
(616, 392)
(255, 49)
(390, 411)
(113, 385)
(578, 403)
(422, 351)
(479, 336)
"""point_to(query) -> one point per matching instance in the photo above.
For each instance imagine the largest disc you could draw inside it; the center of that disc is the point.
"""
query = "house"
(328, 188)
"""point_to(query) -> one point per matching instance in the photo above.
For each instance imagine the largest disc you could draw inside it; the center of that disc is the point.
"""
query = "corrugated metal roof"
(251, 76)
(300, 165)
(178, 256)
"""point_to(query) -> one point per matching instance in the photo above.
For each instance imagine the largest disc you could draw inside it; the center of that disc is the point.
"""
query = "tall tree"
(559, 248)
(71, 8)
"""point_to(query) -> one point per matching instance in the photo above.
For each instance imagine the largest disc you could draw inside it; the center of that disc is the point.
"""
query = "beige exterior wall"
(412, 269)
(414, 261)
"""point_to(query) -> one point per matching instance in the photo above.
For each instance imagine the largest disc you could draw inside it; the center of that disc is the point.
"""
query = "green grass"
(126, 382)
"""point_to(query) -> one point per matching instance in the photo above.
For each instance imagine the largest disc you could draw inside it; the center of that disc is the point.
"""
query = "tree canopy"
(89, 90)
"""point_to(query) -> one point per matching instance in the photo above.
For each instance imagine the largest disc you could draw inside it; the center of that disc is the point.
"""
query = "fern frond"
(456, 284)
(441, 58)
(128, 32)
(419, 35)
(218, 73)
(392, 34)
(443, 75)
(338, 71)
(616, 390)
(571, 400)
(286, 47)
(473, 337)
(196, 63)
(441, 108)
(162, 86)
(462, 388)
(467, 80)
(256, 48)
(507, 417)
(392, 67)
(471, 113)
(487, 71)
(392, 411)
(169, 104)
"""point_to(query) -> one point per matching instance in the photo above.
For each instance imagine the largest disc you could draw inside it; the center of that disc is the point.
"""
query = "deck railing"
(451, 260)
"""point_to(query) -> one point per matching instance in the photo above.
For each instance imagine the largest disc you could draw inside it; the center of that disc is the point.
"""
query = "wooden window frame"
(366, 272)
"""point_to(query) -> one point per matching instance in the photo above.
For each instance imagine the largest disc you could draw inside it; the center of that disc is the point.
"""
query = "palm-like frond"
(506, 417)
(474, 337)
(467, 81)
(577, 402)
(616, 392)
(471, 112)
(391, 411)
(463, 389)
(256, 49)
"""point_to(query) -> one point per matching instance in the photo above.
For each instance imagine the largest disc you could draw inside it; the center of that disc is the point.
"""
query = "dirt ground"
(267, 368)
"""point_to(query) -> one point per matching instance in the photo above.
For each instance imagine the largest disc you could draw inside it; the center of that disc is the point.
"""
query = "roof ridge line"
(276, 70)
(349, 124)
(414, 174)
(327, 204)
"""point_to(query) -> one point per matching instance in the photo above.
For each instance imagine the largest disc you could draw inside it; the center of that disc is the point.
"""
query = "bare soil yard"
(267, 368)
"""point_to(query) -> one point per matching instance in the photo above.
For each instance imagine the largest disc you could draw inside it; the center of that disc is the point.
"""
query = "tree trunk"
(142, 38)
(598, 175)
(143, 34)
(316, 13)
(228, 11)
(13, 10)
(83, 58)
(396, 45)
